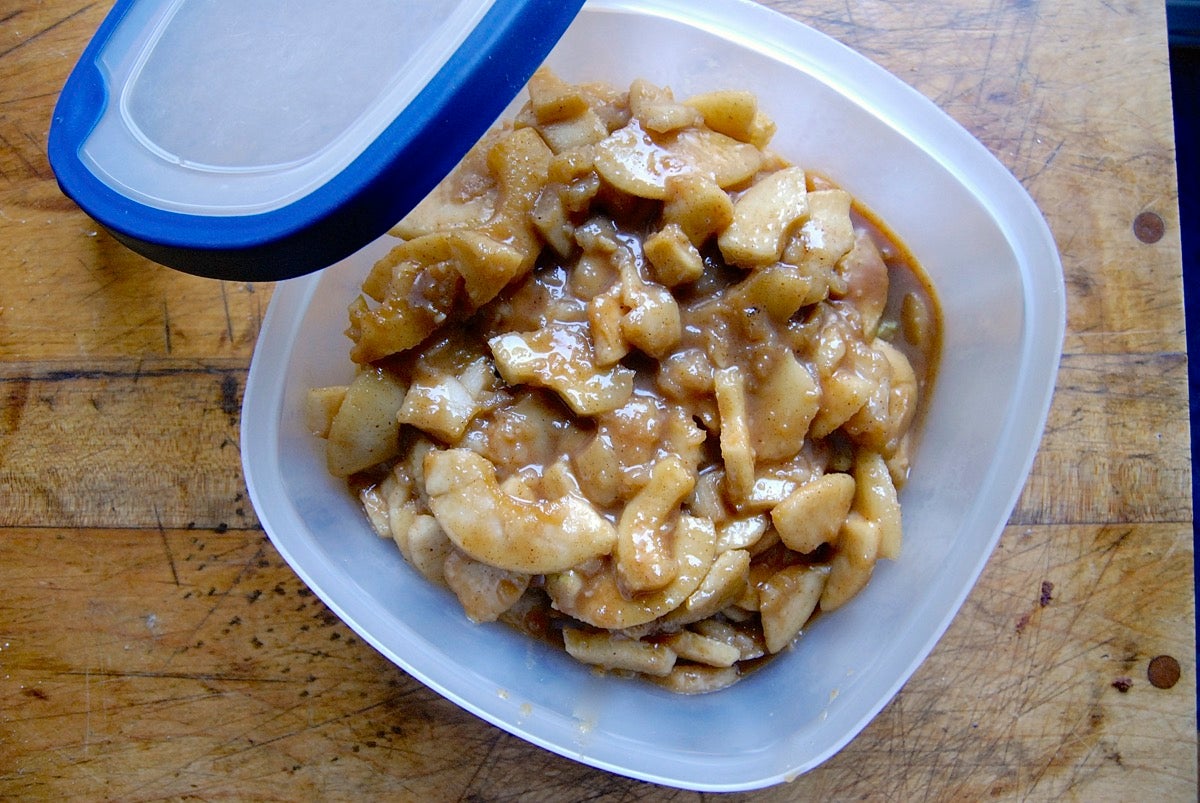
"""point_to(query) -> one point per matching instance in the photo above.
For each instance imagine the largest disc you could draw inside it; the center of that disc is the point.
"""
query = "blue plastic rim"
(360, 203)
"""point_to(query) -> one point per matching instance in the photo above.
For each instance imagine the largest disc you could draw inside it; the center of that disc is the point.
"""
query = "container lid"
(259, 140)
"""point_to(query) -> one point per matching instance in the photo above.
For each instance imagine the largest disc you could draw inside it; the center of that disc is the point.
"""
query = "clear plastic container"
(997, 272)
(260, 141)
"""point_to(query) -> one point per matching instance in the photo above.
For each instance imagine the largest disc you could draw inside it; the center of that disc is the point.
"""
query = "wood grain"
(154, 645)
(148, 444)
(1115, 423)
(200, 665)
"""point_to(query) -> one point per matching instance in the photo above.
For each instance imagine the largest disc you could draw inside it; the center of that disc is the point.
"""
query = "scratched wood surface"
(154, 645)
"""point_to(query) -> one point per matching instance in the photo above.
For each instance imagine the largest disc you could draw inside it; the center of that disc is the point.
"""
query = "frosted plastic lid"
(263, 139)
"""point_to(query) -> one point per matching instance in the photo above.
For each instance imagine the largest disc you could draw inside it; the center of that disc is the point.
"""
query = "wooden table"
(153, 644)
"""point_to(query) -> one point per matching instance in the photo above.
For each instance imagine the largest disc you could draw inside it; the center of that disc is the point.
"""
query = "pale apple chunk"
(609, 651)
(787, 601)
(365, 432)
(762, 218)
(813, 514)
(636, 162)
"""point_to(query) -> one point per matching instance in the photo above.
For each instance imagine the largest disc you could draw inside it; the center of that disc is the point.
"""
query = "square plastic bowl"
(996, 270)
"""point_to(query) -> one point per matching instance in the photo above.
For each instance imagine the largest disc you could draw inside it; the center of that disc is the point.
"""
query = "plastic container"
(262, 141)
(997, 273)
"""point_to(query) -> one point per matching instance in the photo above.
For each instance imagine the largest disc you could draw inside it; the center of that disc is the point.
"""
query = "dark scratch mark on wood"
(14, 406)
(44, 31)
(219, 599)
(204, 677)
(1034, 175)
(162, 533)
(31, 169)
(229, 395)
(493, 743)
(28, 98)
(225, 305)
(166, 315)
(349, 715)
(137, 374)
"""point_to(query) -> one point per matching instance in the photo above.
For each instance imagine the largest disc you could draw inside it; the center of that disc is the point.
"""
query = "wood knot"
(1163, 672)
(1149, 227)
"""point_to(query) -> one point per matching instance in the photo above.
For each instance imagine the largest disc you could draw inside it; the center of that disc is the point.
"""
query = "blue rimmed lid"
(261, 139)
